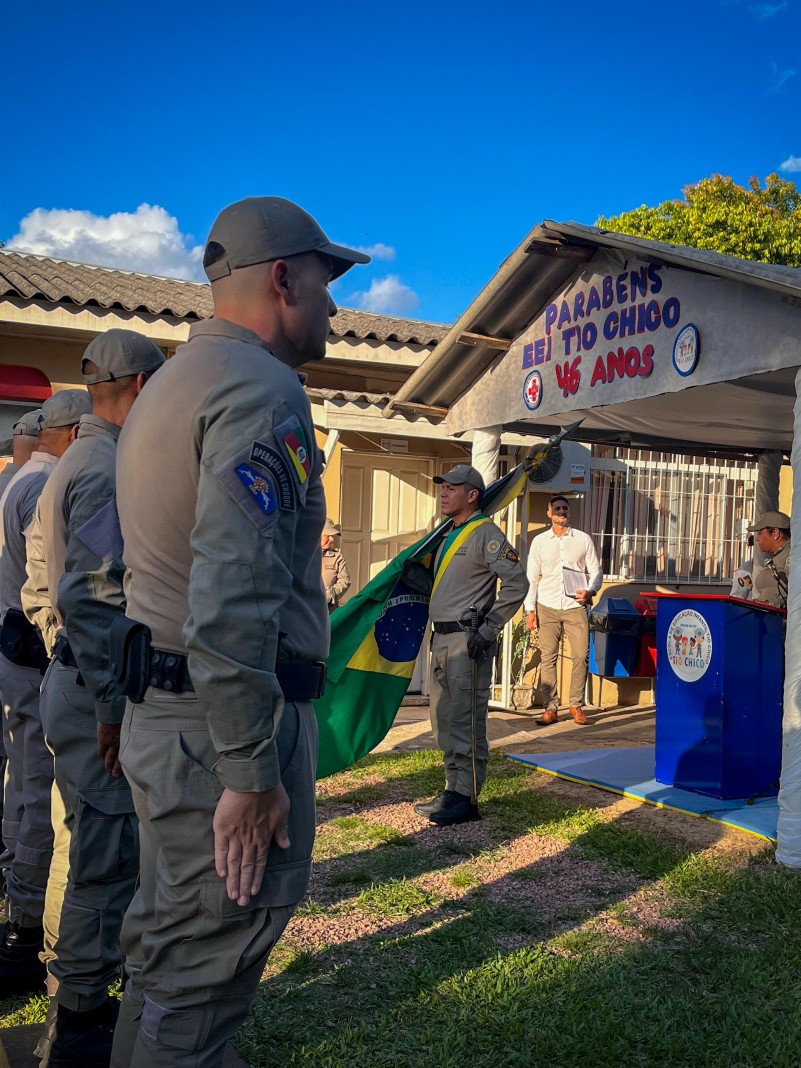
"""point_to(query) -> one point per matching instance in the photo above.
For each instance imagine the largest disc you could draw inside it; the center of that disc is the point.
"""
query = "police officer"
(24, 439)
(336, 577)
(27, 830)
(221, 507)
(471, 559)
(772, 535)
(81, 709)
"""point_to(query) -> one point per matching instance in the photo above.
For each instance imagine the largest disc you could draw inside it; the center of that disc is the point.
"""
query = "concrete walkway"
(518, 732)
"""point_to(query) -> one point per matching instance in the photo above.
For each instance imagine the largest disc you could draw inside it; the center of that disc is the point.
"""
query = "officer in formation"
(772, 535)
(336, 577)
(221, 508)
(24, 439)
(73, 593)
(466, 617)
(27, 828)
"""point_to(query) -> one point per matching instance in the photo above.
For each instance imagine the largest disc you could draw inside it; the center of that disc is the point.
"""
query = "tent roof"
(709, 415)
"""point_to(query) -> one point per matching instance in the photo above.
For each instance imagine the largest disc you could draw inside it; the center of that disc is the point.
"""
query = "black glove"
(477, 646)
(418, 578)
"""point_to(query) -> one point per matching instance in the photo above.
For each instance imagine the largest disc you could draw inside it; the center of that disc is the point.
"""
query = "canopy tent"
(652, 345)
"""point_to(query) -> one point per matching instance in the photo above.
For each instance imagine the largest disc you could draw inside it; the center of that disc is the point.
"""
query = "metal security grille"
(656, 517)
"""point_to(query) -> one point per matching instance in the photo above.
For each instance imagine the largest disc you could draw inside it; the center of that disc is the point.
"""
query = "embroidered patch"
(298, 451)
(510, 554)
(271, 461)
(260, 486)
(493, 546)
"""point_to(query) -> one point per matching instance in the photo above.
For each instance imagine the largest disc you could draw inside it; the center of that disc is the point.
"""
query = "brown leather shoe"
(549, 716)
(578, 716)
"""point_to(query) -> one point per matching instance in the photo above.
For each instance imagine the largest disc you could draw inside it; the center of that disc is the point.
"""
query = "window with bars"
(656, 517)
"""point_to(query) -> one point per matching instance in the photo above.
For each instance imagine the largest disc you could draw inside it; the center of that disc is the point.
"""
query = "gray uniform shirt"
(336, 576)
(471, 577)
(80, 487)
(6, 475)
(221, 506)
(766, 588)
(90, 591)
(18, 505)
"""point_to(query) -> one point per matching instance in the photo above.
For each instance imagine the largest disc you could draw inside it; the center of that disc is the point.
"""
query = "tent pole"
(788, 846)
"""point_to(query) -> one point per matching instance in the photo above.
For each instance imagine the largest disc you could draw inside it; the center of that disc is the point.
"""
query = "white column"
(485, 452)
(766, 498)
(788, 849)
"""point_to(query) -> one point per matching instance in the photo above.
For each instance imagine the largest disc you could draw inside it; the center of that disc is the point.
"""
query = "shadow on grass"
(505, 974)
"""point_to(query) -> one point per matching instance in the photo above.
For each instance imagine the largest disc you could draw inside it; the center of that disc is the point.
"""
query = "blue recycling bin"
(719, 681)
(615, 628)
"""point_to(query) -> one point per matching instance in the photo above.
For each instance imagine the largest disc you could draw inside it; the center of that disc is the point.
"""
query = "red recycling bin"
(646, 661)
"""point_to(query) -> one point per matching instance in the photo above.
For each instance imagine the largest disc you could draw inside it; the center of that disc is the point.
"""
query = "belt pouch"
(129, 649)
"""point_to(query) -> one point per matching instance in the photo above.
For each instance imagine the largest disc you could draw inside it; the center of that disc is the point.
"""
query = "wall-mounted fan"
(548, 469)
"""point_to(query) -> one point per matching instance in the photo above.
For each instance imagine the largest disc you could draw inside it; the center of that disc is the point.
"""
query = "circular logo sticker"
(532, 390)
(686, 350)
(689, 645)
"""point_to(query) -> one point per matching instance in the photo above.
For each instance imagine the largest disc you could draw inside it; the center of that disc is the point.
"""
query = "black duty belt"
(455, 627)
(300, 680)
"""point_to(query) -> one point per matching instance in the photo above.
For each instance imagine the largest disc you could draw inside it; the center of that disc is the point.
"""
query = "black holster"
(21, 643)
(129, 656)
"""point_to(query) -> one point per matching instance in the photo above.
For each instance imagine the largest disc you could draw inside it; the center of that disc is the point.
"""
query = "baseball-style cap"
(65, 408)
(460, 474)
(259, 229)
(28, 425)
(331, 528)
(119, 354)
(771, 519)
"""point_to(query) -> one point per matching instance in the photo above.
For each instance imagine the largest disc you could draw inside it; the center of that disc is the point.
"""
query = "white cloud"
(387, 295)
(792, 163)
(763, 12)
(779, 77)
(146, 240)
(378, 251)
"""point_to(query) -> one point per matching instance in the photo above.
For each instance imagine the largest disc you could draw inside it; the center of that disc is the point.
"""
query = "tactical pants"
(103, 846)
(27, 830)
(193, 957)
(575, 625)
(451, 695)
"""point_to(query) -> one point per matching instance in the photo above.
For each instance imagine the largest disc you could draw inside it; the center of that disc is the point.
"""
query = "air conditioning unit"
(567, 469)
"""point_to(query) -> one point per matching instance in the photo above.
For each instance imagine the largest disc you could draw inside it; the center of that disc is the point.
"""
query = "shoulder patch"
(261, 487)
(493, 546)
(276, 465)
(294, 443)
(510, 554)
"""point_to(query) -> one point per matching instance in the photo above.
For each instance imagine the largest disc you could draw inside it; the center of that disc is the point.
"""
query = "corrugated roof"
(526, 282)
(64, 282)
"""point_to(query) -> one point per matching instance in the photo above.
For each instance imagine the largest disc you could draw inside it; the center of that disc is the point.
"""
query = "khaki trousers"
(574, 624)
(100, 832)
(27, 830)
(450, 690)
(193, 957)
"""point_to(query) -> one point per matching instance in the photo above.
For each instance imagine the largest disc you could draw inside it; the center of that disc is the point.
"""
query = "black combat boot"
(21, 971)
(425, 808)
(83, 1039)
(455, 809)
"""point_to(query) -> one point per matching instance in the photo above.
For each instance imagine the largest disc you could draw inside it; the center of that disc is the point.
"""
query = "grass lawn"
(554, 932)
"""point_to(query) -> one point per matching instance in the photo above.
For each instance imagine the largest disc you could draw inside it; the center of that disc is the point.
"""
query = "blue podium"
(719, 680)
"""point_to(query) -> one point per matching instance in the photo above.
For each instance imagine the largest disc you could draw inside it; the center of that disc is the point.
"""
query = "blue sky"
(437, 133)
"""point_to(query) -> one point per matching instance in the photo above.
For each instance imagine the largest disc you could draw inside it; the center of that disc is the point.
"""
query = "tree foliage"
(716, 213)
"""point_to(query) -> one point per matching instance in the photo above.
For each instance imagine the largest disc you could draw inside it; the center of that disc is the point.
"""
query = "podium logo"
(689, 645)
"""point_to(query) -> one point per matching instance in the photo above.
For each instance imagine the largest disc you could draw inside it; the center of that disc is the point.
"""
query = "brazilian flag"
(375, 639)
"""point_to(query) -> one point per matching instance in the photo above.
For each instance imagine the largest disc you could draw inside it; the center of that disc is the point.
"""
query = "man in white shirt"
(564, 575)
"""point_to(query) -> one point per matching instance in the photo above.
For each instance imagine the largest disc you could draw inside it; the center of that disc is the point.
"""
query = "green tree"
(716, 213)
